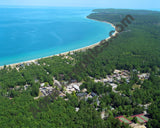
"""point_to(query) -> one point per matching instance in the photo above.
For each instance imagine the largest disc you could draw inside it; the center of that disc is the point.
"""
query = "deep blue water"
(31, 33)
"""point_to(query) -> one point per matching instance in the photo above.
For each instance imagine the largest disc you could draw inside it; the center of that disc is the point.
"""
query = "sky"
(132, 4)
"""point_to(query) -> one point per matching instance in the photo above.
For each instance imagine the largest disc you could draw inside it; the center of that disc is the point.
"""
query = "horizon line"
(21, 6)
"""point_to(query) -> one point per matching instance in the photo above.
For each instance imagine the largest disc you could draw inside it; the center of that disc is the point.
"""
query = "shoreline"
(64, 53)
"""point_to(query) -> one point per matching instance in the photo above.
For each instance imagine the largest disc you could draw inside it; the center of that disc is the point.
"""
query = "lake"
(29, 33)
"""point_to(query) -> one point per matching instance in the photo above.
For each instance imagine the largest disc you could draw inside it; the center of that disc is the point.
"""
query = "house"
(143, 76)
(57, 83)
(62, 95)
(73, 81)
(97, 80)
(26, 86)
(110, 79)
(84, 90)
(70, 90)
(61, 76)
(76, 87)
(22, 65)
(93, 94)
(28, 63)
(103, 115)
(105, 80)
(42, 84)
(135, 70)
(113, 85)
(117, 71)
(77, 109)
(83, 94)
(36, 80)
(17, 87)
(46, 91)
(133, 125)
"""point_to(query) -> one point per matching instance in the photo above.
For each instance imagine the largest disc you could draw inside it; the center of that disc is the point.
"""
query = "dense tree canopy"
(137, 47)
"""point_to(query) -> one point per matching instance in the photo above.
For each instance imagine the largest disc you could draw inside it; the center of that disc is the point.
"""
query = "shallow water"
(29, 33)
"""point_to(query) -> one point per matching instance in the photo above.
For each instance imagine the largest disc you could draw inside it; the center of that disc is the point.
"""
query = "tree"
(135, 119)
(35, 90)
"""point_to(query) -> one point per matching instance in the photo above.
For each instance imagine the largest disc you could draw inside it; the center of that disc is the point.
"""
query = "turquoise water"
(29, 33)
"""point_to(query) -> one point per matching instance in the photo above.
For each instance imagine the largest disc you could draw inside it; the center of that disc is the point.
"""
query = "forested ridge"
(136, 49)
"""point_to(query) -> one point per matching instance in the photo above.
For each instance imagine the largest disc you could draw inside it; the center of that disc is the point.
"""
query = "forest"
(137, 47)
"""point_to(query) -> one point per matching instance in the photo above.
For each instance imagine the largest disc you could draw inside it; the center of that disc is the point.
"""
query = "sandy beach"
(65, 53)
